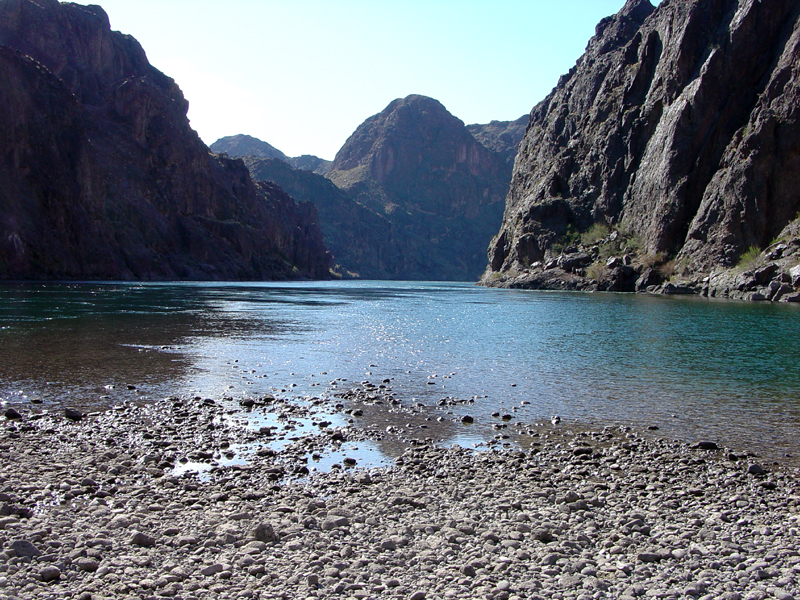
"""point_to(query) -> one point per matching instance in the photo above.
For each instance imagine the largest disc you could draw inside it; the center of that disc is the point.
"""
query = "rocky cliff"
(419, 165)
(667, 156)
(239, 146)
(101, 175)
(364, 243)
(502, 137)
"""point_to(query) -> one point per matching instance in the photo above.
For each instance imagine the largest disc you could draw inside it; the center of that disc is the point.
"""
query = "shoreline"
(93, 508)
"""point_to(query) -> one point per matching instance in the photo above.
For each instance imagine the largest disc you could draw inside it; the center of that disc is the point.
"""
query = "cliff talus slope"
(101, 175)
(676, 133)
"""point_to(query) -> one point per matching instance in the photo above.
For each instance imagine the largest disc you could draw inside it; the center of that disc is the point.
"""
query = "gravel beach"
(185, 499)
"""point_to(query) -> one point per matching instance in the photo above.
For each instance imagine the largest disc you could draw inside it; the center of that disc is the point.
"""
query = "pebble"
(73, 414)
(12, 414)
(92, 510)
(142, 539)
(48, 574)
(25, 548)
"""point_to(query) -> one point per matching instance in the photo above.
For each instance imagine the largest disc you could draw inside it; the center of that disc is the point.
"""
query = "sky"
(303, 74)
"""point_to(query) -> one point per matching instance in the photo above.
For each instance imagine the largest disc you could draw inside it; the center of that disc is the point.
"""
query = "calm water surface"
(696, 369)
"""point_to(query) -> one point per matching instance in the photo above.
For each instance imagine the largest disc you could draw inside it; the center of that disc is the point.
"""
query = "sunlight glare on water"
(695, 368)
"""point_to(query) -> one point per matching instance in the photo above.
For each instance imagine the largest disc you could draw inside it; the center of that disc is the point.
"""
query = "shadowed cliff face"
(677, 126)
(102, 177)
(502, 137)
(419, 166)
(363, 243)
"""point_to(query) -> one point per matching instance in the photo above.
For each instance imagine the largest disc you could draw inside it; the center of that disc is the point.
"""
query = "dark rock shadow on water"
(92, 346)
(90, 368)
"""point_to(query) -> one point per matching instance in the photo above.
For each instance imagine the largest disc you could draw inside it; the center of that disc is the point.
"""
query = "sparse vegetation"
(668, 269)
(652, 260)
(608, 250)
(632, 241)
(776, 241)
(674, 268)
(596, 233)
(597, 271)
(601, 235)
(749, 258)
(570, 238)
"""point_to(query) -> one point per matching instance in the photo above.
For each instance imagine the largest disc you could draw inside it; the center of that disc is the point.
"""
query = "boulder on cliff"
(102, 176)
(678, 126)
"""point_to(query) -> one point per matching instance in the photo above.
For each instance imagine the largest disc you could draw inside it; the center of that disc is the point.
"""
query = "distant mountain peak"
(241, 146)
(418, 164)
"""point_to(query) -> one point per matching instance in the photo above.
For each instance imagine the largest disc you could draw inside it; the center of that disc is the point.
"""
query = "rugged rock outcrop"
(677, 128)
(443, 191)
(502, 137)
(239, 146)
(101, 175)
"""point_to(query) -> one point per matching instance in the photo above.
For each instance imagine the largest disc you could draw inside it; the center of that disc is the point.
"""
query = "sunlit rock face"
(678, 126)
(101, 175)
(441, 189)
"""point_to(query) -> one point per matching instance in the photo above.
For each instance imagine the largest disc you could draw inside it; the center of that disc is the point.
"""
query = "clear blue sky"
(303, 74)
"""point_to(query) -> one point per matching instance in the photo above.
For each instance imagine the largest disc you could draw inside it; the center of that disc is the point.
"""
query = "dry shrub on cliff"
(597, 271)
(651, 261)
(668, 269)
(674, 268)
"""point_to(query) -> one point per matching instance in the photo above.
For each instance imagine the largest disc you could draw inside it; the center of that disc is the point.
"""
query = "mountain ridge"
(243, 145)
(372, 234)
(419, 165)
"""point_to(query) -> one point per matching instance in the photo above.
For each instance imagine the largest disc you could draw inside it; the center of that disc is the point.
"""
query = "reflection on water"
(93, 345)
(697, 369)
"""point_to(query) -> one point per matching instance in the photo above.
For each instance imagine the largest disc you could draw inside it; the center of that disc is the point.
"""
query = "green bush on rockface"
(749, 258)
(570, 238)
(596, 233)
